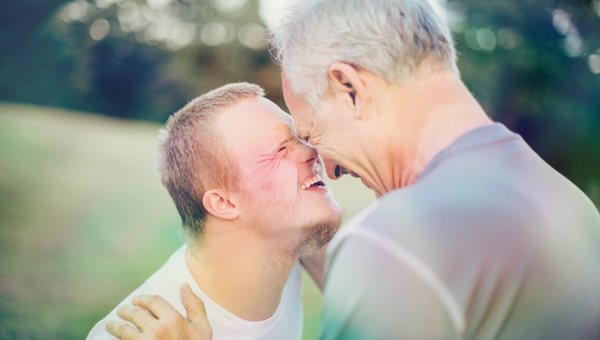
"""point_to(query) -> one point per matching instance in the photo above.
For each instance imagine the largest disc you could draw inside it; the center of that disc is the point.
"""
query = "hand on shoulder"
(158, 320)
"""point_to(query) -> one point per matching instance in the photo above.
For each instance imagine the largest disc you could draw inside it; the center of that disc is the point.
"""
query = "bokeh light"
(486, 39)
(507, 38)
(214, 33)
(169, 24)
(77, 11)
(594, 62)
(99, 29)
(456, 17)
(272, 10)
(253, 35)
(229, 6)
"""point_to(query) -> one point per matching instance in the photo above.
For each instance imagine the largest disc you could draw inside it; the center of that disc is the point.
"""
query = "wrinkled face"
(329, 132)
(280, 175)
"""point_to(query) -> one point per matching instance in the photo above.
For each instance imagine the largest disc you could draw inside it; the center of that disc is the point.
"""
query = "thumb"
(196, 313)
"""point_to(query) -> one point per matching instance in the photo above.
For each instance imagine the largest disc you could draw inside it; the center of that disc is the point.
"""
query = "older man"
(252, 202)
(473, 236)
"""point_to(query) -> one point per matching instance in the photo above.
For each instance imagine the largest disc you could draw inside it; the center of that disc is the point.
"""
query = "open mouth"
(313, 182)
(318, 184)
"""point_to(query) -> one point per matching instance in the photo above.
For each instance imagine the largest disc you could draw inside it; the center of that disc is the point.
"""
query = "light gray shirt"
(489, 243)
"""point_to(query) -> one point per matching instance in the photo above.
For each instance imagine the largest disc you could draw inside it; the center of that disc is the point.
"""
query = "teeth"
(310, 181)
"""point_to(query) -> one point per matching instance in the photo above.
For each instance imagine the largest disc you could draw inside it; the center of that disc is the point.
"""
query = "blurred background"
(84, 86)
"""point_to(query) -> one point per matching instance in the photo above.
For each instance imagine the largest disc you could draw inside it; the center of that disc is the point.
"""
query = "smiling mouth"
(339, 172)
(313, 182)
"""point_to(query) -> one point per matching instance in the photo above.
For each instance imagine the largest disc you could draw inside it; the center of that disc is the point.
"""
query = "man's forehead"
(303, 121)
(299, 108)
(255, 124)
(300, 117)
(257, 110)
(276, 115)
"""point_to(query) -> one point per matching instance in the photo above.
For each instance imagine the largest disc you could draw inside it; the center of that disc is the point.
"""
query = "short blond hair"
(192, 157)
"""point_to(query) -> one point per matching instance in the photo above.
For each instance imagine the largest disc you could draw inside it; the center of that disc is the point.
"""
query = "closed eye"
(282, 148)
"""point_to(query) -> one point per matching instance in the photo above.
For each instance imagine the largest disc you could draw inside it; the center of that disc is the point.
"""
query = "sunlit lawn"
(84, 220)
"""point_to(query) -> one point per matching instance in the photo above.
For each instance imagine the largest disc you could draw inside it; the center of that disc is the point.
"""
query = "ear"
(219, 204)
(347, 85)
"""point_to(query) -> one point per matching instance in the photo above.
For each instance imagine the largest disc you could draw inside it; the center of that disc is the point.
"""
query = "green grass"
(84, 220)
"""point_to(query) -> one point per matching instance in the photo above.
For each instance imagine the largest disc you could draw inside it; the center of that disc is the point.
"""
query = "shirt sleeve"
(373, 293)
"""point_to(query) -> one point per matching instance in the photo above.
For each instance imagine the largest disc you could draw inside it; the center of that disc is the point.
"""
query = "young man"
(252, 201)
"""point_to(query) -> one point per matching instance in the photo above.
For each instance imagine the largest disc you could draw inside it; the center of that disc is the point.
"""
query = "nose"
(307, 154)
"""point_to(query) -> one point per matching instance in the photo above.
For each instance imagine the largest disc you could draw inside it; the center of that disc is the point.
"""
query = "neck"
(240, 271)
(426, 114)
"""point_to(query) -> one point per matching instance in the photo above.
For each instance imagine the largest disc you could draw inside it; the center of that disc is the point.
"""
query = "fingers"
(122, 330)
(141, 318)
(196, 313)
(154, 304)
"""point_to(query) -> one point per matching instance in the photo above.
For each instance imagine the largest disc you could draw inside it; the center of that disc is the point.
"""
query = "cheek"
(278, 193)
(278, 181)
(284, 180)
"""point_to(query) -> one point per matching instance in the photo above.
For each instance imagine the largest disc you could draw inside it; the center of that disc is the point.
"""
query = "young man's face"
(281, 177)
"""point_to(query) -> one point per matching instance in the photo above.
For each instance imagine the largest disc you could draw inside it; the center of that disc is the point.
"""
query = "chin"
(320, 230)
(325, 203)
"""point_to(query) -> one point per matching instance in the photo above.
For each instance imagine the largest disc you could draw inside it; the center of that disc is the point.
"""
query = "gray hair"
(387, 37)
(192, 157)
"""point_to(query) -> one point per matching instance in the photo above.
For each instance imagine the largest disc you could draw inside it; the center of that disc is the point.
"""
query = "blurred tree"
(534, 66)
(29, 57)
(130, 59)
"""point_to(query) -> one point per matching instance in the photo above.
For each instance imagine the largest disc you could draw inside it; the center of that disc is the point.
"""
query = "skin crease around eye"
(280, 143)
(267, 167)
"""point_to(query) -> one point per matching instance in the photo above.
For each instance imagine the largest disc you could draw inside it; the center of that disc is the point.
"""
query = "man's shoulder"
(167, 280)
(421, 208)
(449, 213)
(352, 226)
(164, 282)
(513, 187)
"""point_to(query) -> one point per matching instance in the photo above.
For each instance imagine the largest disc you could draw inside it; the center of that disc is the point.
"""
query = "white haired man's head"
(389, 38)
